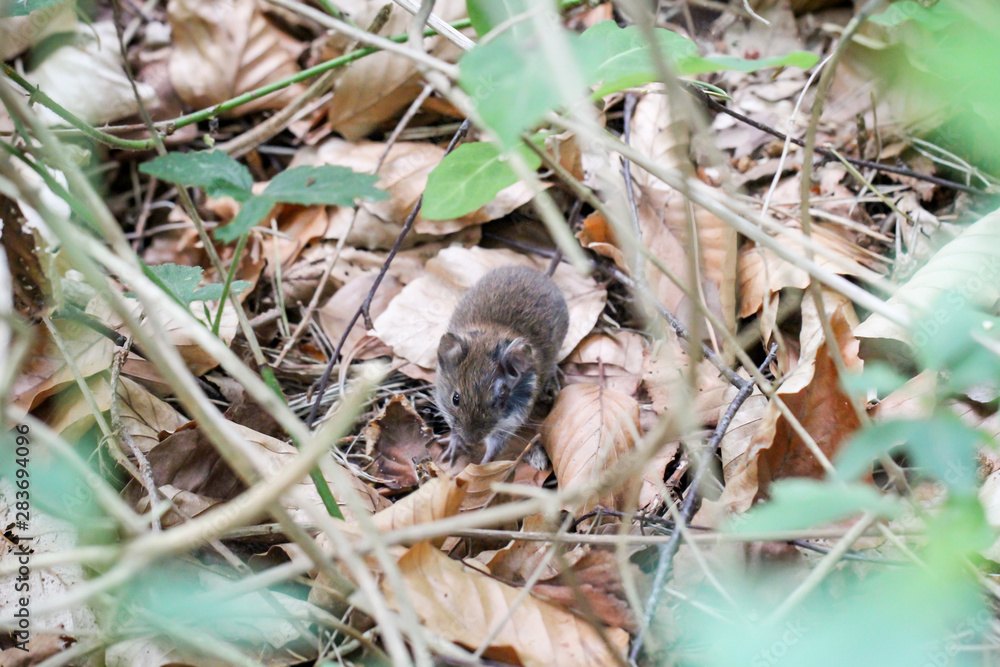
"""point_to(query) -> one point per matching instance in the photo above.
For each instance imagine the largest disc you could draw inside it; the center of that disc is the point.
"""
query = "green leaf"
(942, 447)
(802, 503)
(702, 65)
(325, 184)
(306, 186)
(24, 7)
(511, 91)
(214, 171)
(180, 281)
(878, 376)
(937, 17)
(213, 292)
(251, 212)
(625, 59)
(470, 177)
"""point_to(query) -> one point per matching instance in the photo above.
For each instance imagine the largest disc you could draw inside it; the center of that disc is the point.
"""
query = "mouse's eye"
(455, 399)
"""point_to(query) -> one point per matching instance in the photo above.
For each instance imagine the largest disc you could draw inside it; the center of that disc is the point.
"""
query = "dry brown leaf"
(334, 316)
(665, 369)
(358, 107)
(480, 479)
(596, 234)
(762, 273)
(813, 393)
(663, 219)
(463, 605)
(223, 48)
(397, 440)
(417, 318)
(594, 575)
(86, 78)
(437, 499)
(45, 371)
(144, 416)
(588, 430)
(613, 361)
(651, 493)
(517, 561)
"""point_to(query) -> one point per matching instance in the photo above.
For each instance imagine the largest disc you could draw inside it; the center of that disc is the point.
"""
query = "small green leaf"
(942, 447)
(213, 292)
(24, 7)
(214, 171)
(470, 177)
(702, 65)
(325, 184)
(936, 17)
(797, 504)
(625, 59)
(253, 210)
(306, 186)
(180, 281)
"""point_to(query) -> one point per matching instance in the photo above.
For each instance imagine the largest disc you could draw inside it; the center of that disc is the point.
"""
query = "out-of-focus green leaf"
(796, 504)
(470, 177)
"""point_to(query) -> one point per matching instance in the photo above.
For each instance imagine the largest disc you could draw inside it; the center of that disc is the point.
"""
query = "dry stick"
(714, 104)
(687, 509)
(118, 432)
(324, 381)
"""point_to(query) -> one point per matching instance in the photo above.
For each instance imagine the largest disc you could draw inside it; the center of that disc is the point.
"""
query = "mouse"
(497, 357)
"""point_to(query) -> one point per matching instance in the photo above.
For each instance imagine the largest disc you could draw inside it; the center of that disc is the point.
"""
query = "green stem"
(229, 280)
(170, 126)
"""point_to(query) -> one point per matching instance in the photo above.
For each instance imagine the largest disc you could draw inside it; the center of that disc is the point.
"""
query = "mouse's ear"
(517, 358)
(452, 349)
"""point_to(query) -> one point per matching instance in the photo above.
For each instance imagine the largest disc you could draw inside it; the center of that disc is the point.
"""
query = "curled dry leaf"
(596, 234)
(144, 417)
(45, 371)
(613, 361)
(589, 429)
(223, 48)
(403, 175)
(762, 273)
(464, 606)
(86, 78)
(397, 440)
(417, 318)
(358, 107)
(187, 461)
(595, 576)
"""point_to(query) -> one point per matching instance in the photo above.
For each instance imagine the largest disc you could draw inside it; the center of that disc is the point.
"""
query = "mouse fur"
(497, 356)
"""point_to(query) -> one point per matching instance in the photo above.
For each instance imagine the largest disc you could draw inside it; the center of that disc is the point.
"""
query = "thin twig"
(667, 551)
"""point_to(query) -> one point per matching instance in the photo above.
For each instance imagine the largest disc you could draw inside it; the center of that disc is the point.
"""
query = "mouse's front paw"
(455, 448)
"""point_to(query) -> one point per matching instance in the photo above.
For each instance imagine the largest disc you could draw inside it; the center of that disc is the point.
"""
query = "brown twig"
(668, 551)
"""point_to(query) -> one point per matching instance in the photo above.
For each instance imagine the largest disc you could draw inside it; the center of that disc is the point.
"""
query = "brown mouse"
(497, 356)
